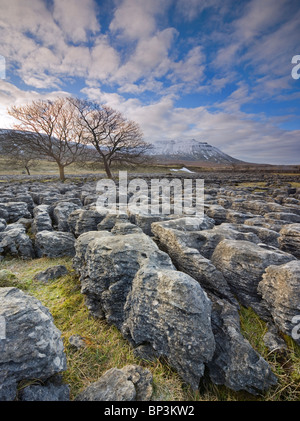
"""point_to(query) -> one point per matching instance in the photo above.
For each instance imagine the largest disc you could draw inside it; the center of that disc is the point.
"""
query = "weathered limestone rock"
(77, 341)
(260, 221)
(188, 224)
(41, 219)
(12, 211)
(134, 285)
(26, 222)
(15, 242)
(273, 340)
(235, 363)
(61, 213)
(217, 213)
(207, 240)
(84, 220)
(32, 347)
(52, 272)
(181, 248)
(243, 264)
(25, 197)
(2, 224)
(168, 310)
(144, 221)
(103, 260)
(131, 383)
(289, 239)
(280, 290)
(287, 217)
(54, 244)
(257, 207)
(267, 236)
(53, 390)
(110, 220)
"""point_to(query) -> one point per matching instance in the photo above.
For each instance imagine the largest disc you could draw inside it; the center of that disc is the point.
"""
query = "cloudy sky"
(214, 70)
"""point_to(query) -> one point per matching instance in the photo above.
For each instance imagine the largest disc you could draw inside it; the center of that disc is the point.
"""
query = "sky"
(217, 71)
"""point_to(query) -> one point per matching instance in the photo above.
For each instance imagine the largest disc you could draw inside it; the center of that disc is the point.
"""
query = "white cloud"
(149, 58)
(76, 18)
(190, 9)
(136, 19)
(104, 60)
(191, 68)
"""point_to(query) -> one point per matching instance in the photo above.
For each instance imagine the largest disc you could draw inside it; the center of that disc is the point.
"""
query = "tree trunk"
(27, 169)
(61, 172)
(107, 169)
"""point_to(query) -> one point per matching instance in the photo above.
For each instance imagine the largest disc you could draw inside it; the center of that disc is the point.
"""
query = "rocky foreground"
(172, 285)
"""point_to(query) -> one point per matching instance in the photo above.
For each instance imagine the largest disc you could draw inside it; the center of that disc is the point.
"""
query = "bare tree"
(56, 136)
(114, 137)
(14, 154)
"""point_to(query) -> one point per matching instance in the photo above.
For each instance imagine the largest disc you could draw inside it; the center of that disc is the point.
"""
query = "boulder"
(267, 236)
(217, 213)
(189, 224)
(260, 221)
(4, 214)
(12, 211)
(41, 219)
(61, 213)
(53, 272)
(280, 290)
(287, 217)
(237, 217)
(53, 390)
(77, 341)
(243, 264)
(54, 244)
(109, 221)
(15, 242)
(26, 222)
(32, 347)
(235, 363)
(84, 220)
(131, 383)
(26, 197)
(273, 340)
(181, 248)
(144, 221)
(132, 284)
(169, 311)
(207, 240)
(289, 239)
(2, 224)
(107, 264)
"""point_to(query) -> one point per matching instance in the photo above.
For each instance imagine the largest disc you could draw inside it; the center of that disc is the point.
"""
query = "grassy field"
(44, 167)
(105, 348)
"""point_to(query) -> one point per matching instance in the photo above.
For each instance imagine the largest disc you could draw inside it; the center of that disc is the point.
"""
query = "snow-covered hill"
(191, 150)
